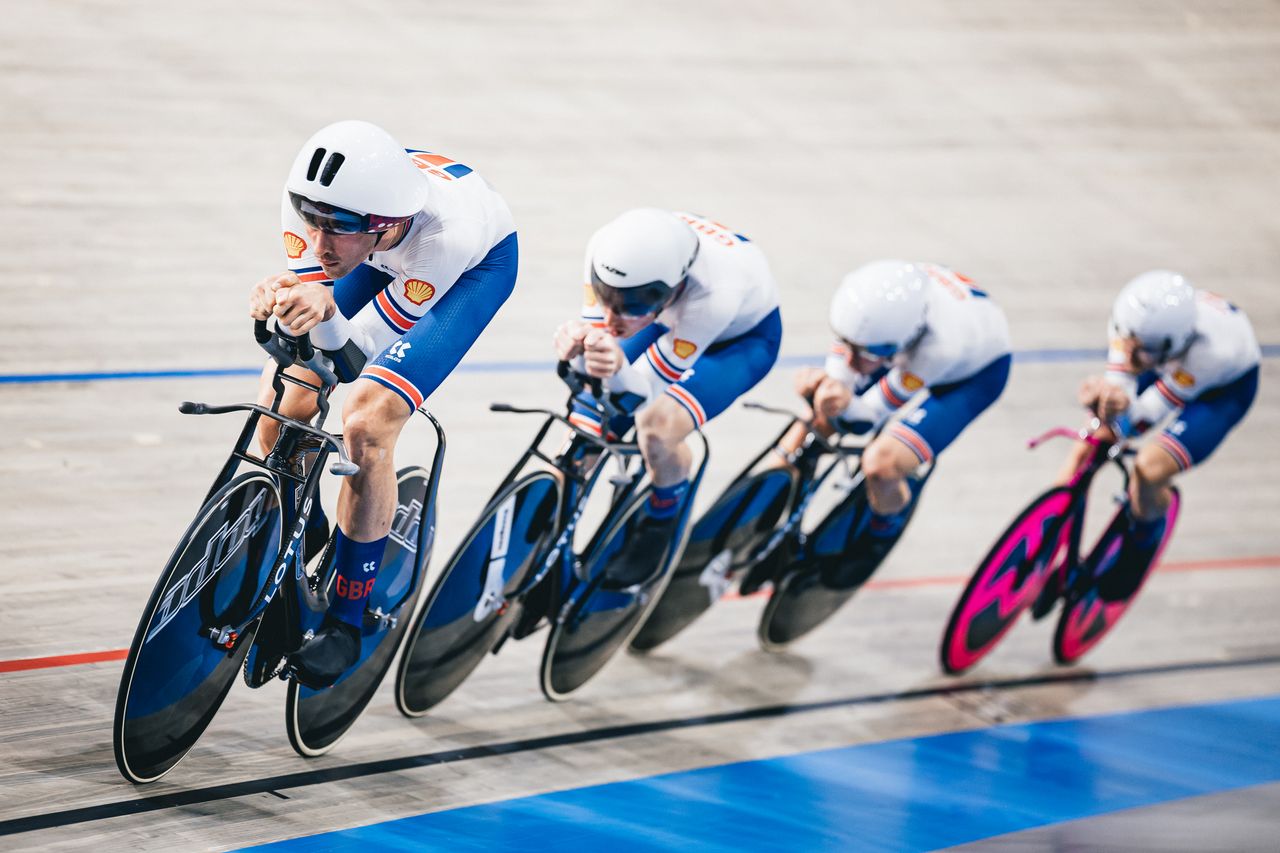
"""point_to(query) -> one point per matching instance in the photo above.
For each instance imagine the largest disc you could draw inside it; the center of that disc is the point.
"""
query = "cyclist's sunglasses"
(336, 220)
(874, 350)
(634, 302)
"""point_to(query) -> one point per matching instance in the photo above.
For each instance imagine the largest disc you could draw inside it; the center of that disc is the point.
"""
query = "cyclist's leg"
(297, 402)
(724, 373)
(1192, 437)
(389, 390)
(919, 437)
(1196, 433)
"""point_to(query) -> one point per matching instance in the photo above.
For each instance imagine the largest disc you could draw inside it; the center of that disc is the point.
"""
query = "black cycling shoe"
(864, 558)
(325, 657)
(1122, 580)
(641, 555)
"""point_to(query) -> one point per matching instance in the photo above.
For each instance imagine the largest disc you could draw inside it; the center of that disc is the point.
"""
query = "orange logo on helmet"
(589, 296)
(418, 291)
(294, 245)
(912, 382)
(684, 349)
(1186, 380)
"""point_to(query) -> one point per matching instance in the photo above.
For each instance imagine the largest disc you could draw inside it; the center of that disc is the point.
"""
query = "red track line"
(1264, 562)
(62, 660)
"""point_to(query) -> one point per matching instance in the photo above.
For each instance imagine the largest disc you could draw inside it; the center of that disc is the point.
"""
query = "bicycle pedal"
(224, 637)
(376, 620)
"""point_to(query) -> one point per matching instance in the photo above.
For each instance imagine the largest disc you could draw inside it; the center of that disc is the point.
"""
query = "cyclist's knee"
(1154, 467)
(662, 424)
(884, 462)
(372, 418)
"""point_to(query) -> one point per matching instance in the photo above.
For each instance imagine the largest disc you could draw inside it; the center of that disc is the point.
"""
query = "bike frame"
(577, 483)
(297, 502)
(806, 459)
(1101, 453)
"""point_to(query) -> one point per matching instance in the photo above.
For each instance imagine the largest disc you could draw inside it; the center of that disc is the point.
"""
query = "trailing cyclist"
(680, 318)
(905, 333)
(1175, 352)
(397, 261)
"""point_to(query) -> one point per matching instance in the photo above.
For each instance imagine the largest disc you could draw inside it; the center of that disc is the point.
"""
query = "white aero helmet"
(639, 261)
(353, 178)
(880, 306)
(1159, 309)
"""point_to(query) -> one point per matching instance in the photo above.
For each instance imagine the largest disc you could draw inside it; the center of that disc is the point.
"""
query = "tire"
(175, 678)
(448, 641)
(1086, 618)
(720, 545)
(317, 719)
(1007, 580)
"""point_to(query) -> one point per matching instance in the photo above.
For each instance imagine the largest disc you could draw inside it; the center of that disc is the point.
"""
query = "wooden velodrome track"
(1049, 150)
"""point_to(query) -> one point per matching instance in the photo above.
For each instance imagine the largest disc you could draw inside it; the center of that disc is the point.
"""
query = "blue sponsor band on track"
(1029, 356)
(914, 794)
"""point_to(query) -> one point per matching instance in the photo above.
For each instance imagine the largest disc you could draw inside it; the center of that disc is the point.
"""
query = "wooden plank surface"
(1049, 150)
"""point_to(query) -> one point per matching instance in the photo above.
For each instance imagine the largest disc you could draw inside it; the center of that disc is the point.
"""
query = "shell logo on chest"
(418, 291)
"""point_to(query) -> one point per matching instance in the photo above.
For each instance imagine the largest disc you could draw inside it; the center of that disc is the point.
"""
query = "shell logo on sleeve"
(418, 291)
(589, 296)
(1186, 380)
(912, 382)
(684, 349)
(294, 245)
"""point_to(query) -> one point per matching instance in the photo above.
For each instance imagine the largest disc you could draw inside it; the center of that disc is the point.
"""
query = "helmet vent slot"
(331, 168)
(315, 164)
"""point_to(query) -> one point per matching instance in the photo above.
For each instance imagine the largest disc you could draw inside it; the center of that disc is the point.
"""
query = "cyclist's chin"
(339, 269)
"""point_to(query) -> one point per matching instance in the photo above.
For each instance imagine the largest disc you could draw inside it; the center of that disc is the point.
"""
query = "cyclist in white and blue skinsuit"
(904, 330)
(682, 314)
(1179, 353)
(397, 262)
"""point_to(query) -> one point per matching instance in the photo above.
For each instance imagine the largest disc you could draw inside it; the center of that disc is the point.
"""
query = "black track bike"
(754, 535)
(518, 569)
(237, 596)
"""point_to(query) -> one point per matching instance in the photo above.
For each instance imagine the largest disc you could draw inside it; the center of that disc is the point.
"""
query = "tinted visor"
(872, 350)
(336, 220)
(639, 301)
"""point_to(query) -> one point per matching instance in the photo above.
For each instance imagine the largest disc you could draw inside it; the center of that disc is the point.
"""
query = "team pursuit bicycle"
(237, 593)
(1037, 562)
(518, 569)
(754, 532)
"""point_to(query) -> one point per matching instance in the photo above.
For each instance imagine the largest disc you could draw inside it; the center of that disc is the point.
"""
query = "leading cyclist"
(1176, 352)
(397, 260)
(699, 303)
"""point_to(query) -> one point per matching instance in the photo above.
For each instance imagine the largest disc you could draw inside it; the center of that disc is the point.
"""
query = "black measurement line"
(273, 784)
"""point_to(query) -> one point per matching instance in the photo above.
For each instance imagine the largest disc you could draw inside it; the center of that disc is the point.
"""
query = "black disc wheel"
(596, 619)
(317, 719)
(720, 544)
(799, 603)
(175, 676)
(470, 608)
